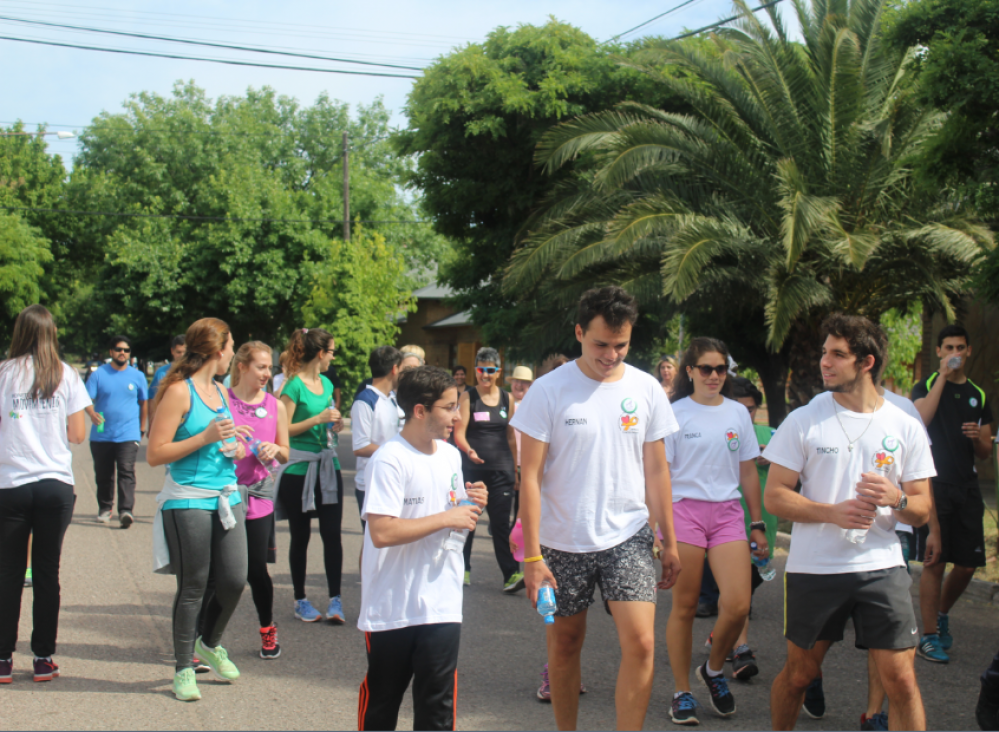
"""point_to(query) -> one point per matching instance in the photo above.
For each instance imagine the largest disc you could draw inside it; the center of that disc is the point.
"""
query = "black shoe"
(744, 664)
(706, 610)
(722, 700)
(683, 710)
(815, 700)
(987, 709)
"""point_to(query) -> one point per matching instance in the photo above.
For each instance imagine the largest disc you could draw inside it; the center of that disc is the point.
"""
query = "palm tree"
(788, 190)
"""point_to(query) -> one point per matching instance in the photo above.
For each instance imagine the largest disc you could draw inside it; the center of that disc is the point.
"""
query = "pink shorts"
(707, 524)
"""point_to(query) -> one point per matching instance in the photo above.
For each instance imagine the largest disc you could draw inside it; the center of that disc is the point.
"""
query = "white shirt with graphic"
(906, 405)
(593, 489)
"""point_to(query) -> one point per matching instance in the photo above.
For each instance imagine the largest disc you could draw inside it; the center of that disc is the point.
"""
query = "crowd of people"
(590, 475)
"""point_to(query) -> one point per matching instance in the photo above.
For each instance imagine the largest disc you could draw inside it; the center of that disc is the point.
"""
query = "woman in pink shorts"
(710, 456)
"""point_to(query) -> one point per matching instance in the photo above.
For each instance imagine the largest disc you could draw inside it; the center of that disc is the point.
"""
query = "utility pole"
(346, 188)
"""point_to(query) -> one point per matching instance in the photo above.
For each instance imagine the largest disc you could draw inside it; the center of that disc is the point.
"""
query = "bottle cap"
(753, 545)
(549, 619)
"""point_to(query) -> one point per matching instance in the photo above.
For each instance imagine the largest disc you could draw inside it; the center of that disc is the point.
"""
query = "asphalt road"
(116, 655)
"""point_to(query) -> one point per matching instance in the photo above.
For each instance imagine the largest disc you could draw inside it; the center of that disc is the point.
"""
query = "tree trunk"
(804, 355)
(773, 375)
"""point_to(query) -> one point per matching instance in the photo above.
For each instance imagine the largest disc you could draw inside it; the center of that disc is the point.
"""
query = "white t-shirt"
(909, 408)
(704, 454)
(405, 585)
(278, 382)
(34, 444)
(374, 418)
(593, 489)
(811, 442)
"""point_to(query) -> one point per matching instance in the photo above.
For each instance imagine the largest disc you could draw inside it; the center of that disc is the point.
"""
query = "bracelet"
(758, 526)
(528, 560)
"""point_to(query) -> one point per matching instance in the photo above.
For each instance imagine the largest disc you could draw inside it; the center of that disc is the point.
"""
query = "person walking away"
(311, 484)
(199, 526)
(958, 420)
(177, 349)
(489, 454)
(267, 419)
(411, 594)
(43, 402)
(863, 464)
(594, 469)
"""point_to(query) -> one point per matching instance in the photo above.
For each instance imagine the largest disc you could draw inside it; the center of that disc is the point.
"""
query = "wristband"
(758, 526)
(528, 560)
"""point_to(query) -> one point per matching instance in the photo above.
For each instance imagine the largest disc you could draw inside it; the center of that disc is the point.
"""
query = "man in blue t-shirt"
(177, 350)
(119, 393)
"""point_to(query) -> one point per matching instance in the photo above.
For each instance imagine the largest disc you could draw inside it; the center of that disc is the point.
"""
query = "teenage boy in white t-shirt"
(864, 464)
(593, 468)
(411, 580)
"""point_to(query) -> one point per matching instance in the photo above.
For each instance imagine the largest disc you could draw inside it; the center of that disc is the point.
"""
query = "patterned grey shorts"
(625, 572)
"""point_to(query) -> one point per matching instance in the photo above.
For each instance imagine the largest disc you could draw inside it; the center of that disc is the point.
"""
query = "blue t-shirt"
(157, 378)
(116, 395)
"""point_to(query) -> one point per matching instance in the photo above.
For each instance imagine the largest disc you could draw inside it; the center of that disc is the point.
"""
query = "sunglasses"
(487, 369)
(706, 370)
(121, 350)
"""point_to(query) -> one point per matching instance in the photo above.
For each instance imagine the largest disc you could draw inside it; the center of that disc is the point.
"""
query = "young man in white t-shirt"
(411, 581)
(864, 465)
(593, 469)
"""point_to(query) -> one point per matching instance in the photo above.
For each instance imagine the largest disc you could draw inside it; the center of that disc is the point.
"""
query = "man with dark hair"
(593, 471)
(177, 351)
(375, 417)
(863, 464)
(119, 393)
(411, 591)
(959, 420)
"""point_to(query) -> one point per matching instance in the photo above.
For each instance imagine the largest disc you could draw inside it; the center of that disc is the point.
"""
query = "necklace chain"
(850, 443)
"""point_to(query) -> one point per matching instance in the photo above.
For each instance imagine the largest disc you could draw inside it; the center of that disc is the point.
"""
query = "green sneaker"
(185, 687)
(217, 660)
(468, 578)
(514, 584)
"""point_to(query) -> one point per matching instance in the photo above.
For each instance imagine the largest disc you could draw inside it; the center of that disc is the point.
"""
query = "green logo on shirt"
(890, 443)
(454, 482)
(629, 405)
(502, 414)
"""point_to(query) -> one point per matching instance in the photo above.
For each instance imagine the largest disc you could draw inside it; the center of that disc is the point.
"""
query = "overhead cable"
(651, 20)
(723, 22)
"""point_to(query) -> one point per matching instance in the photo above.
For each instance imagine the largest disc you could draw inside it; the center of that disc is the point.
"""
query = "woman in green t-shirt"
(308, 397)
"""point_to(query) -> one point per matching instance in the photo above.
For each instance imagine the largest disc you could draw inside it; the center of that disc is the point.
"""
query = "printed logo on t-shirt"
(574, 421)
(16, 415)
(883, 461)
(502, 414)
(629, 419)
(417, 501)
(890, 443)
(732, 439)
(131, 387)
(973, 402)
(827, 450)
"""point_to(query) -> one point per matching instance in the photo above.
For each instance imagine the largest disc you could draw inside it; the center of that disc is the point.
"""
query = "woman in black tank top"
(489, 448)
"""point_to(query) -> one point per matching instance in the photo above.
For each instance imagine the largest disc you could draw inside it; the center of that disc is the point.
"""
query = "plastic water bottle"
(222, 414)
(455, 541)
(254, 448)
(332, 439)
(100, 427)
(857, 536)
(546, 602)
(765, 568)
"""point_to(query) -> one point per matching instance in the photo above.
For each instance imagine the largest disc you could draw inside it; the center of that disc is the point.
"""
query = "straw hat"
(522, 373)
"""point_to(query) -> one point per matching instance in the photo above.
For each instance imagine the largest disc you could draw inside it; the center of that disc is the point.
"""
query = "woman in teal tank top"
(186, 436)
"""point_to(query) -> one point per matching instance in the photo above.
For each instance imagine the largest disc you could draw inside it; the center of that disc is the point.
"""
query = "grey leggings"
(197, 543)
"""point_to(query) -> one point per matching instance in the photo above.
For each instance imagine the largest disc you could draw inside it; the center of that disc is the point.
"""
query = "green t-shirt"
(763, 435)
(308, 405)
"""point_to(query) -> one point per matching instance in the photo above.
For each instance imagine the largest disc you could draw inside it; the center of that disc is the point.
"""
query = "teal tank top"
(206, 467)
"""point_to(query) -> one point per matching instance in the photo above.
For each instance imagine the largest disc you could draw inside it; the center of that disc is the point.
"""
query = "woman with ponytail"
(43, 401)
(311, 484)
(199, 525)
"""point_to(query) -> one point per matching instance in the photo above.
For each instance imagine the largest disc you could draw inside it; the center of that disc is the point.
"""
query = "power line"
(200, 218)
(230, 62)
(651, 20)
(723, 22)
(206, 43)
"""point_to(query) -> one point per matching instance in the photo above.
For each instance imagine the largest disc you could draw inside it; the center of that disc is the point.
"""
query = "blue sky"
(66, 88)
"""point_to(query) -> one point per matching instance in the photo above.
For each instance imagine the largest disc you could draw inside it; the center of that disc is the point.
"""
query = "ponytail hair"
(244, 356)
(683, 385)
(204, 340)
(305, 344)
(34, 337)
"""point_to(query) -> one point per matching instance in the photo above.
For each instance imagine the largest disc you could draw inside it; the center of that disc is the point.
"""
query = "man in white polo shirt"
(593, 469)
(864, 464)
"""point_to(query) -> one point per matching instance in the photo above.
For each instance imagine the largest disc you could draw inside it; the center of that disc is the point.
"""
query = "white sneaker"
(104, 517)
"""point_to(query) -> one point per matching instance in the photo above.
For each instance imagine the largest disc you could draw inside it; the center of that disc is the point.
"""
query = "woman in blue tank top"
(201, 535)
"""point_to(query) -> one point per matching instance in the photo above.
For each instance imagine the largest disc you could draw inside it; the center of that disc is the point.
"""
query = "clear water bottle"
(455, 540)
(546, 602)
(332, 439)
(763, 566)
(857, 536)
(254, 448)
(228, 446)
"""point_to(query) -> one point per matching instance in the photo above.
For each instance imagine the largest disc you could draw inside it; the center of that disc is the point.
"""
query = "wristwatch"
(902, 502)
(758, 526)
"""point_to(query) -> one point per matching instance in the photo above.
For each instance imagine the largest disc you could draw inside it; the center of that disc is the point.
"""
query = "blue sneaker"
(722, 700)
(335, 611)
(683, 710)
(929, 648)
(305, 612)
(943, 630)
(874, 723)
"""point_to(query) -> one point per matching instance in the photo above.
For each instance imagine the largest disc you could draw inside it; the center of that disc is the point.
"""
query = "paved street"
(116, 656)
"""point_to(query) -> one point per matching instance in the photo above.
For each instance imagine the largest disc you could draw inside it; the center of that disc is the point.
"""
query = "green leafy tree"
(905, 339)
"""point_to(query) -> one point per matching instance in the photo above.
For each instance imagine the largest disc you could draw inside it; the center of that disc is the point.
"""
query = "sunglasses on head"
(706, 370)
(122, 350)
(487, 369)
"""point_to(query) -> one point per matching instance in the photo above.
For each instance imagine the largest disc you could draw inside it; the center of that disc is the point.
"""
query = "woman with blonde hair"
(665, 372)
(199, 525)
(43, 402)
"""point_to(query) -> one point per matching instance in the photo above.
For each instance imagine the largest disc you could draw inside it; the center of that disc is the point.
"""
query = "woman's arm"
(461, 429)
(169, 414)
(749, 479)
(297, 428)
(282, 433)
(76, 427)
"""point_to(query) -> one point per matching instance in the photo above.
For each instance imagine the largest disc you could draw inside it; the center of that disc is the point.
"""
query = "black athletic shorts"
(817, 606)
(961, 512)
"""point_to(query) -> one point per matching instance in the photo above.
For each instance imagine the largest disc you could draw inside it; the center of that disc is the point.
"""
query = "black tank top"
(487, 435)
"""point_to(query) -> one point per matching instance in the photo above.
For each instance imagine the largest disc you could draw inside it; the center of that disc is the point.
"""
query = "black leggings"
(258, 535)
(44, 508)
(500, 484)
(300, 528)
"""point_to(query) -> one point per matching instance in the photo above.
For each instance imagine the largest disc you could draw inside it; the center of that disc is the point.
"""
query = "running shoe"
(744, 664)
(709, 643)
(7, 672)
(722, 700)
(706, 610)
(200, 667)
(468, 578)
(218, 660)
(28, 581)
(305, 612)
(104, 517)
(544, 691)
(929, 648)
(185, 687)
(877, 721)
(986, 711)
(943, 630)
(126, 519)
(514, 584)
(815, 700)
(335, 611)
(45, 669)
(683, 710)
(269, 648)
